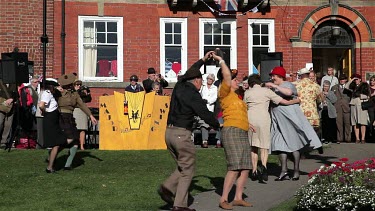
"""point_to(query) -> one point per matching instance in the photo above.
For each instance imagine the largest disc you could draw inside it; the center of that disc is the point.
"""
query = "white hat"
(303, 71)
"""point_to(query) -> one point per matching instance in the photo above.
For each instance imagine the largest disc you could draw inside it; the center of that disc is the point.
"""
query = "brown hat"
(66, 79)
(192, 73)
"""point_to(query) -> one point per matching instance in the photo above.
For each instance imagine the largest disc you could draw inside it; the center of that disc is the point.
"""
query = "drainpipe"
(63, 35)
(44, 40)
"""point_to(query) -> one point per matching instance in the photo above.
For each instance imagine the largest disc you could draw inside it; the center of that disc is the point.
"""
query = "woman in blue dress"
(290, 130)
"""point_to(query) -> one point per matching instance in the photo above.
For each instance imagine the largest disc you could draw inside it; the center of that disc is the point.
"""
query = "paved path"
(266, 196)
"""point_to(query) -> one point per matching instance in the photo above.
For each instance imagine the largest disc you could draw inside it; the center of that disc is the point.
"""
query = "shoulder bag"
(365, 105)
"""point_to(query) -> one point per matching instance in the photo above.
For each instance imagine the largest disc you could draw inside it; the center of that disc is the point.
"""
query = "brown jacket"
(343, 99)
(70, 100)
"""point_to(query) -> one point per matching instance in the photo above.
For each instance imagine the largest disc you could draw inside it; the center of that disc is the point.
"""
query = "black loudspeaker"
(14, 67)
(268, 61)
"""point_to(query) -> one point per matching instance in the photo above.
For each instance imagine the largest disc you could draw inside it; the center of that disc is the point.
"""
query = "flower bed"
(340, 186)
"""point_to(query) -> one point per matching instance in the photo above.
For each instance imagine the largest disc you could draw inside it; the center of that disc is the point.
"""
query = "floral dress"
(308, 92)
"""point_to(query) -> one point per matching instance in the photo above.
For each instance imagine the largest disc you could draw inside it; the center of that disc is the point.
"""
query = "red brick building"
(108, 41)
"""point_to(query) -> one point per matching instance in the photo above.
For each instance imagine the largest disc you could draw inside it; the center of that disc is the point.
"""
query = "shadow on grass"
(78, 159)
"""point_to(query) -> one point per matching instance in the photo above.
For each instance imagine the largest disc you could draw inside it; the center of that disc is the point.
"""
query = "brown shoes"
(166, 195)
(241, 203)
(182, 209)
(225, 205)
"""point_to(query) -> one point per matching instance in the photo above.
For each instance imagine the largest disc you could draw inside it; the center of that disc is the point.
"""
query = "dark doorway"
(333, 46)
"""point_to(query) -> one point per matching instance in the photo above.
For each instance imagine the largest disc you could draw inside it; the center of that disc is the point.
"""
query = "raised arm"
(227, 76)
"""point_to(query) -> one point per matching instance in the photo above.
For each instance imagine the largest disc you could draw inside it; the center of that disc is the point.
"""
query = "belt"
(66, 111)
(176, 127)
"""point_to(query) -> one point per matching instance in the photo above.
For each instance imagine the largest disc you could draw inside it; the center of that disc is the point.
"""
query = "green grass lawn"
(100, 180)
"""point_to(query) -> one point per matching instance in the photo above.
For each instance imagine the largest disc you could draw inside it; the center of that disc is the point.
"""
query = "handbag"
(5, 108)
(366, 105)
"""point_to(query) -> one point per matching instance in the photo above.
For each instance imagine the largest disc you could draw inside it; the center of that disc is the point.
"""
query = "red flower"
(344, 159)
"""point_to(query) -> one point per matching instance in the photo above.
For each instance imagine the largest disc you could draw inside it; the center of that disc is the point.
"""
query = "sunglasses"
(78, 84)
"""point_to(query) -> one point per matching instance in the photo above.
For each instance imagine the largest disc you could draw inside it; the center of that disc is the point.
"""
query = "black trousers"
(328, 127)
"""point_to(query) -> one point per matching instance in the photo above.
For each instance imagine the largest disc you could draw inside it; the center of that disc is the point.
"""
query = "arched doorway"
(333, 45)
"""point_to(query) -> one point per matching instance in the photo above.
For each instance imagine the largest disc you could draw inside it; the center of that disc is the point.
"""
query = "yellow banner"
(141, 128)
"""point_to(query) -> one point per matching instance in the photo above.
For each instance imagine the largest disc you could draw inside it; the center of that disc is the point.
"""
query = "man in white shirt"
(209, 94)
(329, 77)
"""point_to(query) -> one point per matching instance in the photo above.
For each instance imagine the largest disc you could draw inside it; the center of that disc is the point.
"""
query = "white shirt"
(331, 79)
(209, 94)
(49, 100)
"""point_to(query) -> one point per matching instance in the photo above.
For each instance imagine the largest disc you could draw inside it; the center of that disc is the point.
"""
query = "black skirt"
(53, 135)
(68, 125)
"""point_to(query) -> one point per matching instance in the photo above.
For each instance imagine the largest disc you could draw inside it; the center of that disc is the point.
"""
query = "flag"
(254, 10)
(227, 5)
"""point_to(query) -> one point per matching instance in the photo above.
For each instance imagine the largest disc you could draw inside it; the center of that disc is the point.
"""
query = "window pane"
(225, 49)
(168, 39)
(112, 38)
(207, 39)
(256, 29)
(177, 28)
(111, 26)
(100, 26)
(264, 29)
(226, 28)
(101, 37)
(107, 61)
(226, 39)
(264, 40)
(177, 39)
(88, 24)
(217, 28)
(207, 28)
(256, 40)
(168, 28)
(256, 55)
(172, 62)
(217, 39)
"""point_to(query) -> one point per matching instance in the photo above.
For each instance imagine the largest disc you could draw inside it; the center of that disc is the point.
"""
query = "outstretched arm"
(227, 76)
(284, 90)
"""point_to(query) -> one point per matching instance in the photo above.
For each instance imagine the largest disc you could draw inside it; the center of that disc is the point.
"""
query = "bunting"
(223, 6)
(227, 5)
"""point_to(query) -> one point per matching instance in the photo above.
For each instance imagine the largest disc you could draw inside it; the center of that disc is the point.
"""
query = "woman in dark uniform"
(67, 102)
(52, 133)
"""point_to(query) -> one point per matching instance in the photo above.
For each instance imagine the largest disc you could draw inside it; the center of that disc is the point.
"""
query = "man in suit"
(342, 109)
(153, 77)
(7, 95)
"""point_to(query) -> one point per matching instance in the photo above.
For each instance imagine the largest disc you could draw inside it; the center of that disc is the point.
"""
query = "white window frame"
(271, 38)
(183, 22)
(233, 38)
(120, 51)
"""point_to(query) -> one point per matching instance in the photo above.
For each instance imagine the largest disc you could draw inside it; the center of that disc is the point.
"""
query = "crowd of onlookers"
(334, 106)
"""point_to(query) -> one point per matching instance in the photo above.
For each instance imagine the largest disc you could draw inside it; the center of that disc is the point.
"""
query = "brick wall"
(21, 25)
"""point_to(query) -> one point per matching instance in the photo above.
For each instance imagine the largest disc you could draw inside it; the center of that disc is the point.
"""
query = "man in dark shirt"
(134, 86)
(186, 102)
(153, 77)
